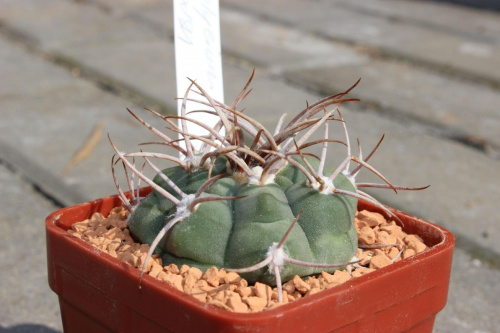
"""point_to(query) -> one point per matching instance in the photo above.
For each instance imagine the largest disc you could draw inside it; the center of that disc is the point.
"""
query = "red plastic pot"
(98, 293)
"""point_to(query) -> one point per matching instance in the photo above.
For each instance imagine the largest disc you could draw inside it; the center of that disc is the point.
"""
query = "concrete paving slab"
(268, 44)
(273, 45)
(131, 64)
(473, 297)
(480, 25)
(116, 44)
(79, 25)
(28, 304)
(50, 118)
(393, 38)
(433, 99)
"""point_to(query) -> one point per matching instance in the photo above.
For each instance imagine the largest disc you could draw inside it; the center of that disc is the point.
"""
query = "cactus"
(266, 210)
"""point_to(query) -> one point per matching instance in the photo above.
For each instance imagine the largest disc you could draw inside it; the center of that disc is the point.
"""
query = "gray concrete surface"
(430, 81)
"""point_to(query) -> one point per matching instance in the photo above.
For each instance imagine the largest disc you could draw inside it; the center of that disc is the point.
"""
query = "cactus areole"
(263, 207)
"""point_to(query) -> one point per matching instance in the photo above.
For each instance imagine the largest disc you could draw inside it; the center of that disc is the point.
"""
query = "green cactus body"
(238, 233)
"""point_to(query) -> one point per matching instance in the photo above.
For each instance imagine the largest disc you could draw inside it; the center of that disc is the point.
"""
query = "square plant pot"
(99, 293)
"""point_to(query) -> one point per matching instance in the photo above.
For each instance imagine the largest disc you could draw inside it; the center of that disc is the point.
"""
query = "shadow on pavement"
(28, 328)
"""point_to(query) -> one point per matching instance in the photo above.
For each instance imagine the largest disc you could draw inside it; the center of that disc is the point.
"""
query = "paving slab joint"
(102, 81)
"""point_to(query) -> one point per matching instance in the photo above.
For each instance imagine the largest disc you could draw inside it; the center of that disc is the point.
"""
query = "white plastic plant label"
(198, 55)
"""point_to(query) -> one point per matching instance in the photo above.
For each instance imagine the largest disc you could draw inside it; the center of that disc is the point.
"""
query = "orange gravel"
(227, 290)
